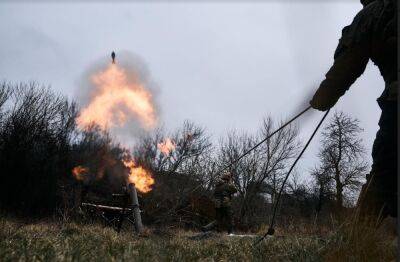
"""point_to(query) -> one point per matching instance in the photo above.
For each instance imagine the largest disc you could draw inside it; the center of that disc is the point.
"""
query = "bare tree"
(277, 153)
(186, 166)
(191, 145)
(341, 157)
(323, 188)
(35, 137)
(5, 93)
(260, 172)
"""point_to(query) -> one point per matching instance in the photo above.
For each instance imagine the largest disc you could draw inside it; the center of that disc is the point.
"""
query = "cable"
(257, 145)
(265, 139)
(271, 229)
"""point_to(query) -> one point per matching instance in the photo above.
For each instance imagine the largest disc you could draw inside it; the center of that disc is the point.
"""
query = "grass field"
(69, 241)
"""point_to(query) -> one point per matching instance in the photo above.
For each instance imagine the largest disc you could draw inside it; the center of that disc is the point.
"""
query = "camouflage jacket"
(371, 35)
(223, 193)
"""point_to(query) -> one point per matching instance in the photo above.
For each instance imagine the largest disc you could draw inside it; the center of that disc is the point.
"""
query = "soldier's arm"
(351, 58)
(344, 72)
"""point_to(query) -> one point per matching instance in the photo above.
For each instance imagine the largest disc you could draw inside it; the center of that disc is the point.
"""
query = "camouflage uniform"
(371, 35)
(224, 190)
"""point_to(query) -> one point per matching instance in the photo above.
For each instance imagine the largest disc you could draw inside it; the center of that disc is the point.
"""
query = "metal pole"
(135, 207)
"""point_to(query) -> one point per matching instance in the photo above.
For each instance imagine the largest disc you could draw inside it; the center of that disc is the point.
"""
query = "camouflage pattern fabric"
(371, 35)
(223, 206)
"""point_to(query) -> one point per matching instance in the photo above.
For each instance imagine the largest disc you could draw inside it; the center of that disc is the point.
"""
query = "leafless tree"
(260, 172)
(342, 157)
(5, 93)
(35, 137)
(323, 188)
(185, 167)
(277, 153)
(191, 147)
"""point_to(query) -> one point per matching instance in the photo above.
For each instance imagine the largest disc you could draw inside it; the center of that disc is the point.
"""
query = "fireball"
(139, 176)
(79, 172)
(117, 99)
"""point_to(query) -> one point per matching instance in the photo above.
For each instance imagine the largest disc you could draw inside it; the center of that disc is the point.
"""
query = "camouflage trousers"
(224, 216)
(379, 195)
(224, 220)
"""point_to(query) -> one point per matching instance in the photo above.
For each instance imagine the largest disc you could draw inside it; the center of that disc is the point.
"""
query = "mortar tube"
(135, 207)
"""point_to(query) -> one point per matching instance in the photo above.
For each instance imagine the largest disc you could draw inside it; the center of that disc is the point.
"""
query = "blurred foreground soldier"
(224, 190)
(372, 35)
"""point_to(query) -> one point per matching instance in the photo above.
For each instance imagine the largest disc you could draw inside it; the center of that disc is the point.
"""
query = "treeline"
(36, 132)
(40, 144)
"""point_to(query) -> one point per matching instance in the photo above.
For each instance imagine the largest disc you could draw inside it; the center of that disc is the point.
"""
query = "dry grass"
(52, 241)
(362, 242)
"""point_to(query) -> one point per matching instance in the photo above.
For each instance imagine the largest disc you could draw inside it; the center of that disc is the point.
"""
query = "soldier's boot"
(209, 226)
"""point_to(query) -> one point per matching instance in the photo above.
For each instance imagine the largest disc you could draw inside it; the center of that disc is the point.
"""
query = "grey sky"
(222, 65)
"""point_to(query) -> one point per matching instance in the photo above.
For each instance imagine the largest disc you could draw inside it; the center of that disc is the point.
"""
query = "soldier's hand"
(323, 99)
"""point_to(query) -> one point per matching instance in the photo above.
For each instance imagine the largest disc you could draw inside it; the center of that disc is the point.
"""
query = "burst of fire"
(139, 176)
(167, 146)
(117, 99)
(79, 172)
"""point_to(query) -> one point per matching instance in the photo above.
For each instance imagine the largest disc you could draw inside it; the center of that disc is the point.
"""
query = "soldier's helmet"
(226, 176)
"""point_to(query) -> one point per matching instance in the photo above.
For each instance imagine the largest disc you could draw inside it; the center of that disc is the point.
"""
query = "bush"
(35, 133)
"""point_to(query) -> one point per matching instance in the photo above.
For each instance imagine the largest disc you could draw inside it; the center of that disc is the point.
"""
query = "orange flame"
(139, 176)
(79, 172)
(166, 147)
(117, 99)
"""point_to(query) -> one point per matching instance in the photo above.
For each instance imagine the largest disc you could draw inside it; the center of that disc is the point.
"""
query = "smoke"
(120, 97)
(303, 103)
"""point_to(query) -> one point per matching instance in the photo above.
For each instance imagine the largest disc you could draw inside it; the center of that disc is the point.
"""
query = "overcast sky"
(222, 65)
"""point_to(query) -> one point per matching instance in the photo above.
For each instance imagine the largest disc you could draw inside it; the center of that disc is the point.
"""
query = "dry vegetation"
(68, 241)
(40, 145)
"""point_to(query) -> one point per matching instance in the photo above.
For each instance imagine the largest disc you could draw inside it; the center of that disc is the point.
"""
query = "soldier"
(371, 35)
(224, 190)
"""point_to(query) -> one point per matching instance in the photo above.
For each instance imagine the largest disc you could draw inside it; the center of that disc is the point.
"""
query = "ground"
(72, 241)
